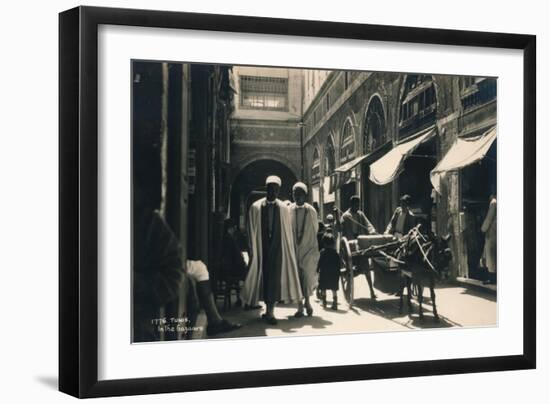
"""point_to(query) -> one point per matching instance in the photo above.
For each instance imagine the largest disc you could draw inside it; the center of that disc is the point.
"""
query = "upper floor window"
(259, 92)
(476, 91)
(418, 106)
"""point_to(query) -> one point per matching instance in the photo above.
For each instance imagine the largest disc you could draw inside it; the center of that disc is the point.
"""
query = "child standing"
(329, 270)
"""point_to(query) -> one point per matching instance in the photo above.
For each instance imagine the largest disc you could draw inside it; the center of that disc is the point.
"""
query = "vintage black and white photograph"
(285, 201)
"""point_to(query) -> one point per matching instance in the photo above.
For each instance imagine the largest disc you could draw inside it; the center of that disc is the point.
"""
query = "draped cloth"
(489, 227)
(286, 286)
(307, 247)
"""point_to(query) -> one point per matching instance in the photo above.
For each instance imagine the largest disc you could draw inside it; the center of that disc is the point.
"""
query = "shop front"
(376, 199)
(473, 158)
(409, 163)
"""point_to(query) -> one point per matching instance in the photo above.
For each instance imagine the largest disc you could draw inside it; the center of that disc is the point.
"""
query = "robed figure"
(489, 228)
(305, 226)
(273, 271)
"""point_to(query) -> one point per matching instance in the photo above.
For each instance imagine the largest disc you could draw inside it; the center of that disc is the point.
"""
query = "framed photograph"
(251, 201)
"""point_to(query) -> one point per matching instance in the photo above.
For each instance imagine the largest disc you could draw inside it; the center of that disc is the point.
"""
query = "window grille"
(258, 92)
(478, 91)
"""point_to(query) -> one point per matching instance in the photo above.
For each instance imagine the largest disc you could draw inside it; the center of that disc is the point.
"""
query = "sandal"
(269, 319)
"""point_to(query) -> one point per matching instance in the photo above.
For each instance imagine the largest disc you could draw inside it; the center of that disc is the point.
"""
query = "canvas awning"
(364, 158)
(385, 169)
(351, 164)
(462, 153)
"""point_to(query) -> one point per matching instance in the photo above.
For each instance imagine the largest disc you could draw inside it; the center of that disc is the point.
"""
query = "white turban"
(273, 179)
(300, 185)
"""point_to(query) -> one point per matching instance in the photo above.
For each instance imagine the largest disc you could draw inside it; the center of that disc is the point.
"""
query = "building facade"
(265, 133)
(380, 135)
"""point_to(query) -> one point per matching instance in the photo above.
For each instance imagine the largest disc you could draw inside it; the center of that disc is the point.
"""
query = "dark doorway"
(415, 180)
(249, 186)
(478, 182)
(346, 192)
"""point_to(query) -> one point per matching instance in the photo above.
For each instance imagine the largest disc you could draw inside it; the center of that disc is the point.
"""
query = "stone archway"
(249, 185)
(289, 160)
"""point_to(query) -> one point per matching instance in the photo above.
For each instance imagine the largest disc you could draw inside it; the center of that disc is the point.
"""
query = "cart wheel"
(346, 271)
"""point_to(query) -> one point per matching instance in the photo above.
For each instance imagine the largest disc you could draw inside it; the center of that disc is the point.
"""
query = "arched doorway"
(249, 186)
(378, 198)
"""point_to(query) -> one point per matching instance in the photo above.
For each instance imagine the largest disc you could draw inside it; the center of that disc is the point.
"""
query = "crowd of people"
(291, 254)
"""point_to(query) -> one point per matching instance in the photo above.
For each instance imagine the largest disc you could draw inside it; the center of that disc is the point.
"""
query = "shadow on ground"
(292, 324)
(389, 309)
(429, 321)
(254, 326)
(480, 293)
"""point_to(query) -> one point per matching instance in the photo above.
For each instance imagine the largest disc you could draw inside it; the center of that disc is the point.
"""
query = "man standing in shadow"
(273, 272)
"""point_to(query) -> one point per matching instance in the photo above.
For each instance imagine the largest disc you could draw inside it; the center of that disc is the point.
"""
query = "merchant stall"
(475, 158)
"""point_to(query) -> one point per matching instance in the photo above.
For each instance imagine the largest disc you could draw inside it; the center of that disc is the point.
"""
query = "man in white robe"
(273, 271)
(306, 226)
(489, 228)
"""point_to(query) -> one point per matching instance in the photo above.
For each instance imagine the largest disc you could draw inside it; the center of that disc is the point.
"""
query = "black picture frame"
(78, 206)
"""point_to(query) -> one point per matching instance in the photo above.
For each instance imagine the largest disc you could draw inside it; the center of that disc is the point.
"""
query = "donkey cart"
(358, 257)
(413, 261)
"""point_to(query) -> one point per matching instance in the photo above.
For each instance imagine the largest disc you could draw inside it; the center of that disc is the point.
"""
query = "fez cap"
(273, 179)
(300, 185)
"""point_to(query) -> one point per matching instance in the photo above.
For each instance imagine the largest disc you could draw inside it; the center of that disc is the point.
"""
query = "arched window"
(375, 126)
(347, 144)
(316, 166)
(418, 105)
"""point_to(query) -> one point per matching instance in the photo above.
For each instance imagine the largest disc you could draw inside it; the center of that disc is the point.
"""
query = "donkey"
(422, 260)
